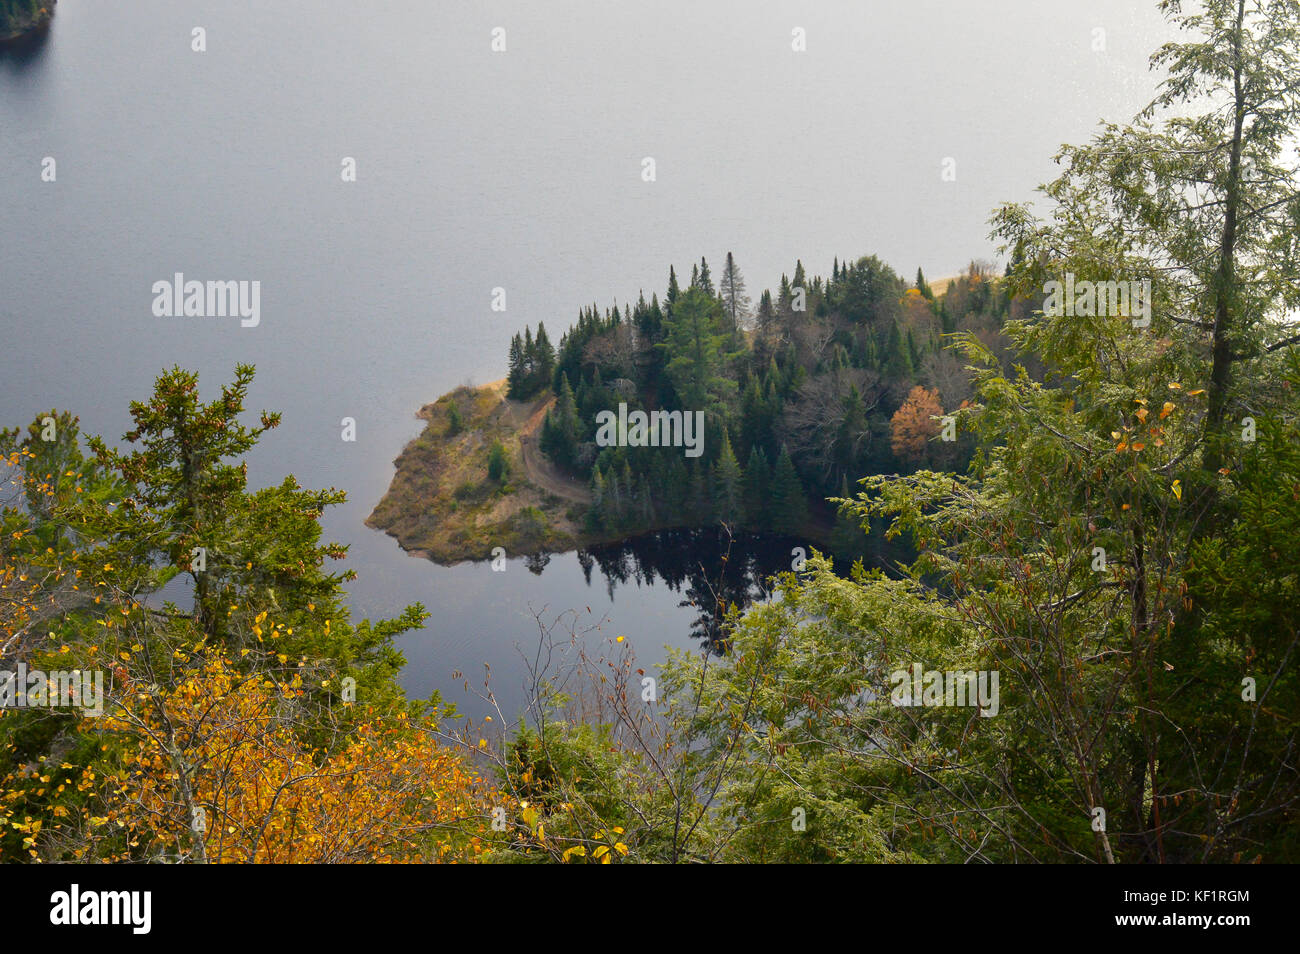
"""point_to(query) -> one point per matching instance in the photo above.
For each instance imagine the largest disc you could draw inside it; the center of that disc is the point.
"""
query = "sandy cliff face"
(441, 504)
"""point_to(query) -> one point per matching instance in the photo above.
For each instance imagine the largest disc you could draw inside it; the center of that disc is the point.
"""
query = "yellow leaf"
(1177, 489)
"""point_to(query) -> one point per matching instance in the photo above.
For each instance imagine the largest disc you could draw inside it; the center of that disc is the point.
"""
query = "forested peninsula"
(819, 383)
(18, 17)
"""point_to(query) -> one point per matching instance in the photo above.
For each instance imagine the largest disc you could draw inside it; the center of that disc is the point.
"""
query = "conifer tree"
(757, 490)
(734, 300)
(544, 361)
(922, 286)
(694, 351)
(898, 360)
(705, 279)
(789, 508)
(515, 376)
(728, 485)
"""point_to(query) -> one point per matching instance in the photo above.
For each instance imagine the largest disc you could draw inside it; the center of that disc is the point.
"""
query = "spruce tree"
(898, 360)
(544, 367)
(514, 377)
(757, 479)
(728, 485)
(922, 286)
(788, 507)
(704, 280)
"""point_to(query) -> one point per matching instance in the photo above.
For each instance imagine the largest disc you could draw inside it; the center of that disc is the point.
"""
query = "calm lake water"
(476, 170)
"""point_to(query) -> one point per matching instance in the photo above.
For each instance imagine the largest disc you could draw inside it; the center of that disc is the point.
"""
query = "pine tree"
(694, 351)
(734, 300)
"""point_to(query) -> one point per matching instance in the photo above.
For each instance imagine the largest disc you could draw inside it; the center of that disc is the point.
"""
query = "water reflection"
(18, 55)
(712, 568)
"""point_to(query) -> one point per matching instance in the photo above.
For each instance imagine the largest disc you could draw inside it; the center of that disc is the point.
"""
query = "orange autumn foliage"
(915, 424)
(216, 772)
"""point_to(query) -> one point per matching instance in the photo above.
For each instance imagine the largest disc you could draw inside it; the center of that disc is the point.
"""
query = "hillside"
(443, 505)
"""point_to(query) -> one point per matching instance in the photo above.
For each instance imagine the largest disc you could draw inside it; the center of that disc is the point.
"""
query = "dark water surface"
(477, 170)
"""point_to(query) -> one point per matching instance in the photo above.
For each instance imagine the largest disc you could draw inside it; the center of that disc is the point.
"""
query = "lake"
(479, 170)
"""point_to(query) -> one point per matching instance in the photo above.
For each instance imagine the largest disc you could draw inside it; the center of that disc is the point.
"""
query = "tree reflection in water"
(712, 568)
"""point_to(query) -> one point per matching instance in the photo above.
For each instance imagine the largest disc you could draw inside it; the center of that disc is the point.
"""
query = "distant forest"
(820, 383)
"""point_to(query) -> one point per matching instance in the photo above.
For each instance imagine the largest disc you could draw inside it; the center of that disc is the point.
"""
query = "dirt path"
(539, 470)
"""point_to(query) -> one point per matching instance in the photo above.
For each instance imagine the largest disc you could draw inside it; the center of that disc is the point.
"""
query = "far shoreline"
(43, 18)
(439, 507)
